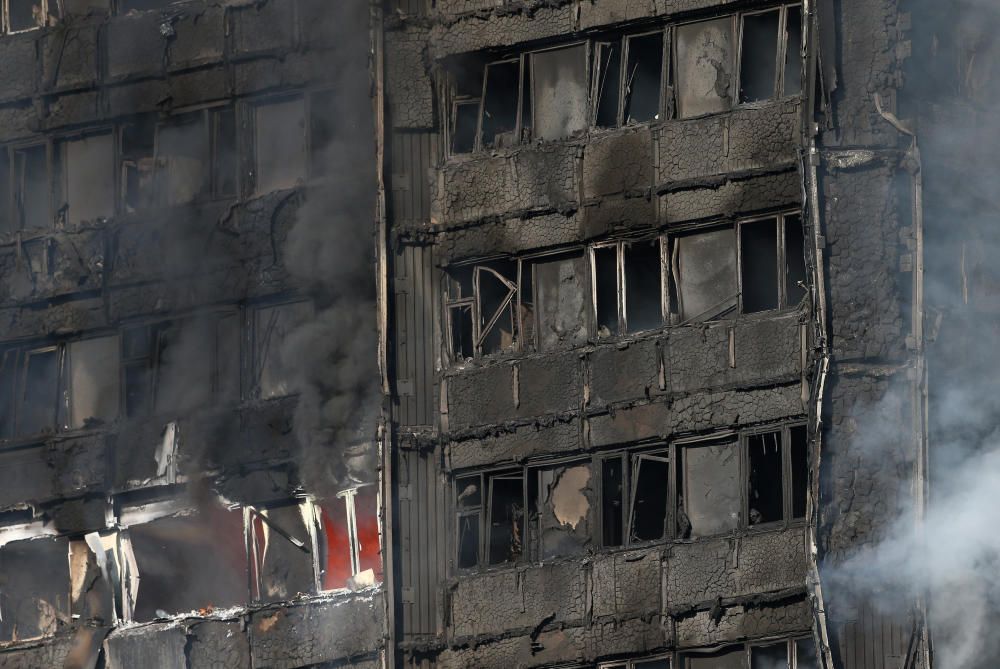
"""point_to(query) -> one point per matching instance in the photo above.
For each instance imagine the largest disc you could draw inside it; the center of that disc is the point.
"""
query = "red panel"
(337, 545)
(366, 508)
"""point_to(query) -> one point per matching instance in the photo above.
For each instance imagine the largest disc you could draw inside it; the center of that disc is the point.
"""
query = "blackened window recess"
(34, 588)
(500, 104)
(709, 489)
(799, 446)
(765, 482)
(143, 5)
(210, 551)
(771, 656)
(643, 298)
(138, 166)
(506, 519)
(792, 84)
(657, 663)
(643, 74)
(795, 261)
(733, 657)
(759, 265)
(184, 157)
(651, 482)
(469, 501)
(612, 501)
(39, 394)
(31, 187)
(559, 92)
(608, 63)
(280, 144)
(496, 293)
(759, 56)
(606, 290)
(462, 344)
(27, 14)
(87, 169)
(805, 654)
(464, 126)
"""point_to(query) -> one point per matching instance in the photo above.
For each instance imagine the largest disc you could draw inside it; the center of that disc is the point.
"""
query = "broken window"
(769, 656)
(703, 271)
(643, 74)
(562, 304)
(498, 122)
(759, 269)
(92, 388)
(703, 67)
(491, 518)
(34, 588)
(650, 485)
(612, 501)
(483, 309)
(138, 163)
(805, 654)
(183, 158)
(181, 365)
(628, 287)
(31, 187)
(564, 507)
(350, 552)
(607, 83)
(280, 144)
(559, 92)
(21, 15)
(281, 549)
(274, 370)
(772, 496)
(207, 547)
(38, 397)
(86, 171)
(708, 489)
(770, 62)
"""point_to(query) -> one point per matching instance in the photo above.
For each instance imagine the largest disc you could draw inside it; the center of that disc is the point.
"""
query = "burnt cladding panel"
(412, 155)
(414, 335)
(421, 533)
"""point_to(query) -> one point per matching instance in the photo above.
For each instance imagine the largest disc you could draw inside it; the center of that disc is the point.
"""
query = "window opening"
(608, 61)
(643, 76)
(764, 494)
(564, 506)
(792, 84)
(606, 290)
(759, 265)
(498, 124)
(771, 656)
(138, 165)
(562, 301)
(759, 56)
(651, 479)
(795, 261)
(280, 144)
(469, 502)
(799, 446)
(184, 158)
(40, 390)
(704, 274)
(87, 170)
(274, 370)
(732, 657)
(506, 516)
(225, 165)
(612, 501)
(31, 186)
(93, 381)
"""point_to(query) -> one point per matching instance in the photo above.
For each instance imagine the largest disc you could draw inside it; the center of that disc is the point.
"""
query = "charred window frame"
(763, 73)
(491, 518)
(494, 104)
(24, 15)
(798, 652)
(628, 286)
(756, 265)
(26, 194)
(484, 312)
(180, 365)
(269, 324)
(84, 169)
(777, 471)
(631, 79)
(58, 387)
(662, 661)
(635, 496)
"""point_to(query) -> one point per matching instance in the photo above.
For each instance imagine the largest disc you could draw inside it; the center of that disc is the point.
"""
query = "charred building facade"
(590, 334)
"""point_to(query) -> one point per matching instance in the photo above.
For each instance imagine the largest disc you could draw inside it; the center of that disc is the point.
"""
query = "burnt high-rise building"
(578, 334)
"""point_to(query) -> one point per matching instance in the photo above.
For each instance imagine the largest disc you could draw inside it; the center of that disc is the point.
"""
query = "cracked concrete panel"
(501, 29)
(52, 654)
(135, 45)
(528, 179)
(627, 372)
(692, 148)
(631, 424)
(523, 442)
(70, 57)
(481, 396)
(156, 646)
(17, 53)
(764, 135)
(716, 410)
(70, 109)
(867, 290)
(263, 27)
(595, 14)
(627, 583)
(730, 197)
(550, 384)
(518, 599)
(410, 89)
(741, 622)
(618, 163)
(617, 213)
(72, 316)
(755, 563)
(697, 357)
(217, 645)
(513, 234)
(767, 349)
(299, 635)
(199, 37)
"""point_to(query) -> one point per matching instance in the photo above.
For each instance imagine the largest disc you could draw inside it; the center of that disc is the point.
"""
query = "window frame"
(250, 384)
(60, 171)
(14, 194)
(781, 257)
(781, 53)
(621, 289)
(46, 6)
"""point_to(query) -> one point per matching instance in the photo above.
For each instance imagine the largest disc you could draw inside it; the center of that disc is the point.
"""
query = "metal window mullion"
(785, 444)
(779, 75)
(780, 259)
(622, 72)
(622, 299)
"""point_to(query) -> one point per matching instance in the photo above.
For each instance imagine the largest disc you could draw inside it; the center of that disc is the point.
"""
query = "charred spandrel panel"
(34, 588)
